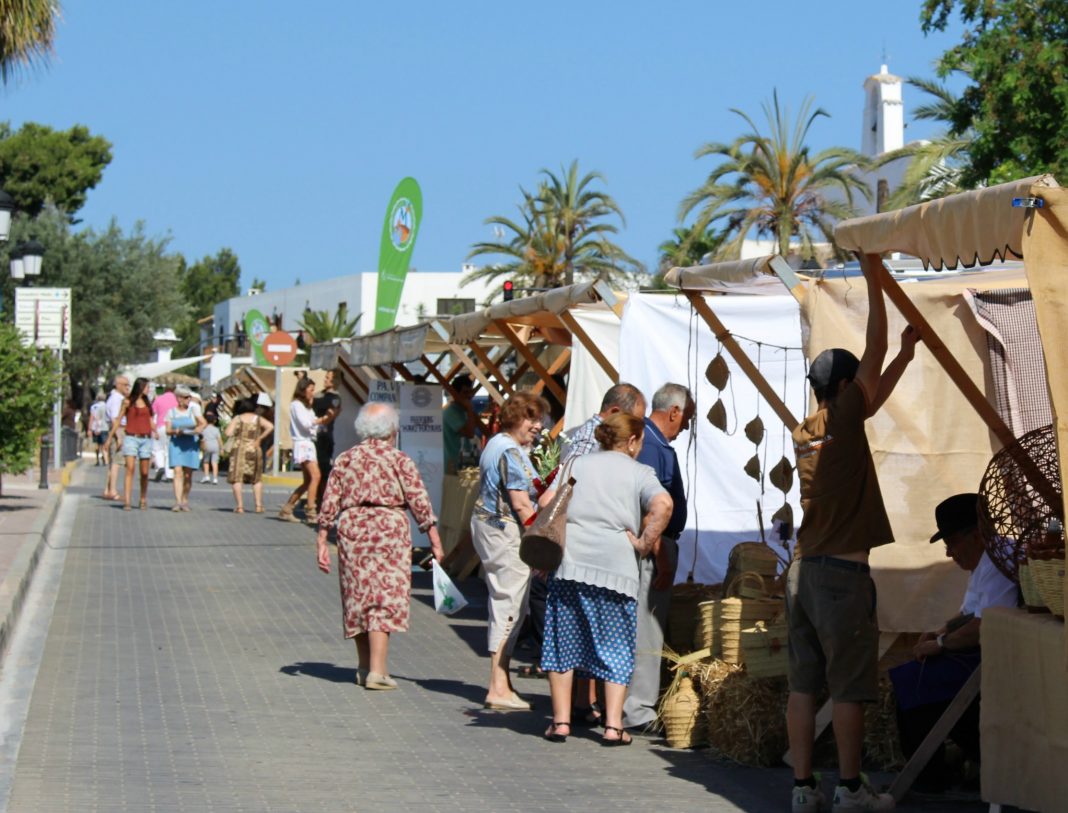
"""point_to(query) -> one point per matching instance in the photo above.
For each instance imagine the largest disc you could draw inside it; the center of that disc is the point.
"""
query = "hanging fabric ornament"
(717, 372)
(717, 415)
(782, 475)
(752, 468)
(754, 430)
(785, 517)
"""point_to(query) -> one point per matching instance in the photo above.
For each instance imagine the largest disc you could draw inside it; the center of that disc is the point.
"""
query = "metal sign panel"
(42, 315)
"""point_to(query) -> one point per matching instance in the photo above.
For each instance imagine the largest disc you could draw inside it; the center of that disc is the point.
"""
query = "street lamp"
(32, 252)
(7, 208)
(18, 268)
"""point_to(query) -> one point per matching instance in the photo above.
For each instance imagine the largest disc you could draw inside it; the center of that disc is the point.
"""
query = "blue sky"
(280, 129)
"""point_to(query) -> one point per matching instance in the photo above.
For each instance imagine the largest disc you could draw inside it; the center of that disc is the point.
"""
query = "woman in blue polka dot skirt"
(591, 609)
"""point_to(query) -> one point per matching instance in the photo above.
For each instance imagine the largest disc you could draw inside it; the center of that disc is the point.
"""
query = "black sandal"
(551, 735)
(616, 742)
(534, 672)
(588, 715)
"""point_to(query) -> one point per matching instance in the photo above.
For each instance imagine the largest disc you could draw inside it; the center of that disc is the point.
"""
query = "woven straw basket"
(1048, 576)
(1032, 598)
(680, 714)
(750, 557)
(763, 649)
(720, 625)
(684, 612)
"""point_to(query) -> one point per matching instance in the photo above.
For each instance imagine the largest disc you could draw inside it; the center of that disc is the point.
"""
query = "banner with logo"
(403, 216)
(256, 329)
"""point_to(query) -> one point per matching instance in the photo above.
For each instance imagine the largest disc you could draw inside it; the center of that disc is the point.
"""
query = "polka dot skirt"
(589, 629)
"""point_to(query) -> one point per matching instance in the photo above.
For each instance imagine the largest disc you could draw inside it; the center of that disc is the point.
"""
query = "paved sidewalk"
(195, 663)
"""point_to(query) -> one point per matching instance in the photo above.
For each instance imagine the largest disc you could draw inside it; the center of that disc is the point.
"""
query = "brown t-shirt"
(844, 511)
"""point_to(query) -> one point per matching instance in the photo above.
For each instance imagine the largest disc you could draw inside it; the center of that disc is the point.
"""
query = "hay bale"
(882, 743)
(745, 717)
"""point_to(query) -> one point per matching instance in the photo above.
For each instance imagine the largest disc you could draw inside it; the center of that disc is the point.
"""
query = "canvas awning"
(153, 369)
(756, 276)
(966, 229)
(470, 326)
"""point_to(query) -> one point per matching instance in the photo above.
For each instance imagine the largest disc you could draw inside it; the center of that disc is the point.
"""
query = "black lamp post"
(7, 208)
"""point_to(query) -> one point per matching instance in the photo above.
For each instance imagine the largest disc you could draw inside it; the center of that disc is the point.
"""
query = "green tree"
(258, 284)
(322, 327)
(772, 185)
(39, 164)
(936, 166)
(563, 233)
(1016, 53)
(124, 288)
(27, 30)
(205, 283)
(28, 380)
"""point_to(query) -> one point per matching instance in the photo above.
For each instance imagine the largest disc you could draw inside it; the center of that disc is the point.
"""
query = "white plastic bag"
(447, 599)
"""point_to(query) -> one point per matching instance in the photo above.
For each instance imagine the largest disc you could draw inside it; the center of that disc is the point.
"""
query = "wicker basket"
(720, 624)
(751, 585)
(680, 714)
(684, 612)
(1032, 598)
(1048, 576)
(750, 557)
(763, 649)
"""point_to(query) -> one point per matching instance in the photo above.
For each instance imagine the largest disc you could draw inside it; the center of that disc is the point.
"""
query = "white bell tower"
(883, 128)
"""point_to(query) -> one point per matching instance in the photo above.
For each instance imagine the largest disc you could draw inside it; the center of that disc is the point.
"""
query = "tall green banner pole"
(403, 216)
(256, 329)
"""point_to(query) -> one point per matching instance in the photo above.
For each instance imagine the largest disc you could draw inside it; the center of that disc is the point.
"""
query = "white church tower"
(884, 114)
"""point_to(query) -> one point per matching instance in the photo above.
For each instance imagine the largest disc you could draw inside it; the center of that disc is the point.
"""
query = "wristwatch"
(941, 641)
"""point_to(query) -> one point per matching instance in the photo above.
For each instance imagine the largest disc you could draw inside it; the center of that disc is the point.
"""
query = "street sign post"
(42, 315)
(279, 349)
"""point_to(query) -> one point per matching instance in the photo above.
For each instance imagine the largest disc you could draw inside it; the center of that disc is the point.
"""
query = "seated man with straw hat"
(946, 657)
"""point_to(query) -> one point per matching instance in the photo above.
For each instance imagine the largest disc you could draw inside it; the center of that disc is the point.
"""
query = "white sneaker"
(205, 479)
(808, 800)
(865, 798)
(215, 481)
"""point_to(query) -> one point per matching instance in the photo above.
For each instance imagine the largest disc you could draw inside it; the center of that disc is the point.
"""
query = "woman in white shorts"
(303, 426)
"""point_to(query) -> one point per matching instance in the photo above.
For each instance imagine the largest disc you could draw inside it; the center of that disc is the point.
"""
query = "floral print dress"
(369, 489)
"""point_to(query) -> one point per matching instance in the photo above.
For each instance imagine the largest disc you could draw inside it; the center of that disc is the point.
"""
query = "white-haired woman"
(369, 489)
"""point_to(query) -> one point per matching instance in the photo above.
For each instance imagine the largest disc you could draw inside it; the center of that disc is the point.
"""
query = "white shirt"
(987, 587)
(113, 406)
(302, 419)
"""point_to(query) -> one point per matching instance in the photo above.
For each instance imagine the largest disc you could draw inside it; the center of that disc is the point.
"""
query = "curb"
(17, 581)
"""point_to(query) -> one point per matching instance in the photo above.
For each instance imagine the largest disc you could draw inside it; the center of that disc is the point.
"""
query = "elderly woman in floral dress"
(369, 489)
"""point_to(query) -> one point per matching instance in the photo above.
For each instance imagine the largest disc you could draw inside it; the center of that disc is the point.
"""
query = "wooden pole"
(561, 361)
(743, 361)
(476, 371)
(491, 368)
(873, 264)
(571, 323)
(532, 360)
(352, 374)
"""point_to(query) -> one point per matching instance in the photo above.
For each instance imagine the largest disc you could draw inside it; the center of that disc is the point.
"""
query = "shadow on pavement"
(456, 688)
(323, 671)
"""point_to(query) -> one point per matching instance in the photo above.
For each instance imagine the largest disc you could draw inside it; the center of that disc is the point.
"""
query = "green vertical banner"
(403, 216)
(257, 330)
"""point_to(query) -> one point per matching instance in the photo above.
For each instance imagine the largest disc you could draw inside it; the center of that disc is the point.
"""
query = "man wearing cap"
(947, 656)
(830, 596)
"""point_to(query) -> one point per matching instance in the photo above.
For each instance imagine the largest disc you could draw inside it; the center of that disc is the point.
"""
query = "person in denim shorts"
(830, 596)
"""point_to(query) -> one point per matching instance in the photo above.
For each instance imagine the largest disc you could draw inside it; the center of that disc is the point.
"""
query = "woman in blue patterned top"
(508, 490)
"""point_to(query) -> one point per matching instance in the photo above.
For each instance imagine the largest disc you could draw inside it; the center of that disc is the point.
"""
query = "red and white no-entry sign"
(279, 348)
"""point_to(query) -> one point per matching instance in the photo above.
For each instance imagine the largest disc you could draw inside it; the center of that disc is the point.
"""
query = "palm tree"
(770, 184)
(686, 247)
(27, 30)
(936, 166)
(562, 232)
(322, 327)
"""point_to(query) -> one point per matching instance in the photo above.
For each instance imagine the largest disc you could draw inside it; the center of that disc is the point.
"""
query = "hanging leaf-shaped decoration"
(717, 372)
(752, 468)
(717, 415)
(785, 517)
(754, 430)
(782, 475)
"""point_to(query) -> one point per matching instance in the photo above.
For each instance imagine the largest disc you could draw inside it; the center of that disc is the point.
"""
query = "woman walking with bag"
(506, 500)
(591, 609)
(248, 431)
(367, 493)
(137, 443)
(303, 426)
(184, 422)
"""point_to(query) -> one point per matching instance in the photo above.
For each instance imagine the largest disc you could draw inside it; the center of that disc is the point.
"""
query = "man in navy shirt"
(673, 409)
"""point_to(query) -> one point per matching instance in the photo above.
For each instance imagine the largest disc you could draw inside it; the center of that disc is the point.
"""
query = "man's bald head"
(378, 421)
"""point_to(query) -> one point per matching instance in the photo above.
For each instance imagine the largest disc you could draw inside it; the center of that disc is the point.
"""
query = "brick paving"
(195, 663)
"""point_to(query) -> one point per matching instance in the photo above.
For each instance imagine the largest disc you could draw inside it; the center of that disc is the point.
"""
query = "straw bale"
(882, 744)
(745, 717)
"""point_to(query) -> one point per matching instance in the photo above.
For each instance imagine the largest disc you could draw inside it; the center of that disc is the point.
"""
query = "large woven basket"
(763, 649)
(751, 557)
(721, 622)
(680, 714)
(684, 612)
(1048, 576)
(1032, 598)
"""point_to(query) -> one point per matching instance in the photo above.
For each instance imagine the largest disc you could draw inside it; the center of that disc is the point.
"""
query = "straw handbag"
(542, 545)
(1048, 576)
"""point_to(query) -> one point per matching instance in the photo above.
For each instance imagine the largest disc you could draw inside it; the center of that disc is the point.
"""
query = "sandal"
(535, 672)
(126, 507)
(259, 509)
(239, 510)
(588, 715)
(551, 732)
(623, 739)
